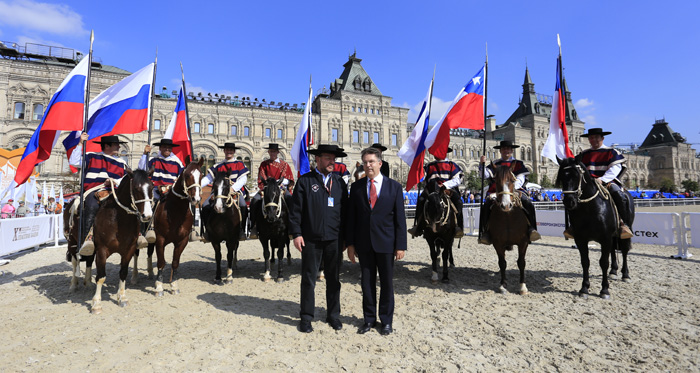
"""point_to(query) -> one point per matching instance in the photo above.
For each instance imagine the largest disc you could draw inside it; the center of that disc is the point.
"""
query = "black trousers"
(370, 263)
(311, 256)
(90, 207)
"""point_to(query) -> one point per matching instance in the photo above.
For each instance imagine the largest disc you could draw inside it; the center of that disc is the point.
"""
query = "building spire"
(528, 85)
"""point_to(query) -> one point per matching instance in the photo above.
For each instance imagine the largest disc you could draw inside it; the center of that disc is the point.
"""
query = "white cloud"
(437, 110)
(43, 17)
(583, 103)
(590, 120)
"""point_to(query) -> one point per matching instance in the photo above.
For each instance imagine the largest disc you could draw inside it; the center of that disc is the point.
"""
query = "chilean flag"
(413, 150)
(65, 112)
(300, 155)
(179, 130)
(465, 111)
(557, 144)
(120, 109)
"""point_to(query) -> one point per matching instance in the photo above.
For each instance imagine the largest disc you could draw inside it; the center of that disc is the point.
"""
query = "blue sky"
(627, 63)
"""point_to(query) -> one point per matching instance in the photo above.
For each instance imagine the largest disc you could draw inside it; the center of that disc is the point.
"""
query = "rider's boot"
(569, 233)
(459, 231)
(532, 233)
(625, 231)
(484, 236)
(417, 229)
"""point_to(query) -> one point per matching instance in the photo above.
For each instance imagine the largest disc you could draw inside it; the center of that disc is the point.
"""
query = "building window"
(246, 131)
(353, 109)
(267, 132)
(365, 137)
(210, 128)
(38, 112)
(334, 134)
(471, 153)
(394, 139)
(19, 110)
(371, 111)
(234, 130)
(156, 124)
(125, 156)
(279, 134)
(355, 136)
(365, 110)
(376, 137)
(196, 127)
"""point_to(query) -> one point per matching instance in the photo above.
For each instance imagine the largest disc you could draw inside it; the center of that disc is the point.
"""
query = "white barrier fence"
(22, 233)
(653, 228)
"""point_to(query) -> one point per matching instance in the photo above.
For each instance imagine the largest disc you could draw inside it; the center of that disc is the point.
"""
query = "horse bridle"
(273, 204)
(445, 210)
(516, 201)
(185, 187)
(579, 190)
(229, 197)
(134, 210)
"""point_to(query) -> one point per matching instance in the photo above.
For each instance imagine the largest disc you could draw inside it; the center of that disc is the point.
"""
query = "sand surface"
(650, 324)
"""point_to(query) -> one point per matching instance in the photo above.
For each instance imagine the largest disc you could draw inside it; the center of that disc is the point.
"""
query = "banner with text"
(23, 233)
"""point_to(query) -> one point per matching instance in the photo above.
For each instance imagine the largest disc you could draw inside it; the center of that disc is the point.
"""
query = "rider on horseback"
(520, 171)
(280, 170)
(605, 165)
(449, 175)
(166, 168)
(340, 169)
(238, 175)
(100, 168)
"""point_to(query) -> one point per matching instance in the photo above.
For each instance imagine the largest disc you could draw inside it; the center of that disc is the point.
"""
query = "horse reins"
(273, 204)
(445, 211)
(133, 210)
(579, 190)
(185, 188)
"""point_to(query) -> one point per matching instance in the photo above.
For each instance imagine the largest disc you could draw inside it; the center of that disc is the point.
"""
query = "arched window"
(38, 112)
(19, 110)
(234, 130)
(267, 132)
(210, 128)
(279, 134)
(156, 124)
(197, 126)
(246, 131)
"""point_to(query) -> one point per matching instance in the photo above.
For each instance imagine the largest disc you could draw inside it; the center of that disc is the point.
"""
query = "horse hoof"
(524, 292)
(123, 303)
(228, 281)
(267, 279)
(445, 280)
(176, 291)
(502, 290)
(434, 282)
(613, 276)
(96, 310)
(626, 279)
(604, 296)
(159, 293)
(279, 280)
(583, 295)
(289, 261)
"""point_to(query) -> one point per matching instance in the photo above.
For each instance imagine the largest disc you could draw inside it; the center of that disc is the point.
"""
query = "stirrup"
(569, 233)
(151, 236)
(534, 236)
(141, 242)
(253, 233)
(414, 231)
(459, 232)
(88, 247)
(485, 239)
(625, 232)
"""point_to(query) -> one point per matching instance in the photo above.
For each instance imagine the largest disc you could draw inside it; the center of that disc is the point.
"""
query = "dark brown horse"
(273, 224)
(117, 226)
(71, 219)
(593, 218)
(172, 223)
(441, 224)
(222, 219)
(508, 225)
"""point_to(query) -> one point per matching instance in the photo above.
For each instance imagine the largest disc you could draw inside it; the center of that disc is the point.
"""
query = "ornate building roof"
(662, 134)
(355, 79)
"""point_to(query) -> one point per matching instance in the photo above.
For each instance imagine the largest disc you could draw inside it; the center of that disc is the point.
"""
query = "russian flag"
(413, 150)
(179, 130)
(65, 112)
(465, 111)
(557, 144)
(120, 109)
(300, 155)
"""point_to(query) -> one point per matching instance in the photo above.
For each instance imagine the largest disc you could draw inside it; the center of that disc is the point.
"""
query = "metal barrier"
(23, 233)
(691, 234)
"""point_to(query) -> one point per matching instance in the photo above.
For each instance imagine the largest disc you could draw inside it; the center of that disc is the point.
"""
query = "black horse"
(222, 221)
(273, 225)
(441, 224)
(593, 218)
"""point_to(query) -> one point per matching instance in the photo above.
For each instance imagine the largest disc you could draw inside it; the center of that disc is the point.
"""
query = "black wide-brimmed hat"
(596, 131)
(273, 146)
(379, 146)
(449, 150)
(166, 142)
(229, 145)
(330, 149)
(506, 143)
(109, 140)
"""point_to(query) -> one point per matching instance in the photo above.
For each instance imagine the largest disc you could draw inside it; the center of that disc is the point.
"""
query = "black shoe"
(386, 329)
(335, 324)
(366, 327)
(305, 327)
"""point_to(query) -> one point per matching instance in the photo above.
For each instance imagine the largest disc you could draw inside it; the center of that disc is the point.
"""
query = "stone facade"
(353, 114)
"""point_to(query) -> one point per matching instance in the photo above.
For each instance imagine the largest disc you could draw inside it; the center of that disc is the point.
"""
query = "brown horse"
(172, 223)
(71, 220)
(508, 224)
(117, 226)
(359, 171)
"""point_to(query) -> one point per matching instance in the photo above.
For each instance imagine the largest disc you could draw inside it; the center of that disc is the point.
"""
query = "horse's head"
(504, 180)
(191, 179)
(141, 189)
(572, 178)
(272, 199)
(221, 191)
(436, 208)
(359, 171)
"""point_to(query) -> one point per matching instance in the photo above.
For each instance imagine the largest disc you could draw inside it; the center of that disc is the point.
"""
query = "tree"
(690, 185)
(545, 182)
(473, 181)
(667, 185)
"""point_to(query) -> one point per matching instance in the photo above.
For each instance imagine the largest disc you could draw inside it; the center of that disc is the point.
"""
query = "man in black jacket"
(315, 222)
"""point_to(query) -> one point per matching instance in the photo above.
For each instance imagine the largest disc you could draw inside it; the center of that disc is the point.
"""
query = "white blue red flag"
(557, 144)
(179, 130)
(65, 112)
(120, 109)
(465, 111)
(300, 155)
(413, 150)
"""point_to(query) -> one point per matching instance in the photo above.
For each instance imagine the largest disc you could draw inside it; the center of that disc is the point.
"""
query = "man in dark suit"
(376, 233)
(315, 221)
(384, 170)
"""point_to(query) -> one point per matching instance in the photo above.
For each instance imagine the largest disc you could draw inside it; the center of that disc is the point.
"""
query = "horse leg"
(289, 253)
(217, 258)
(606, 250)
(75, 274)
(135, 271)
(266, 256)
(231, 254)
(149, 265)
(123, 272)
(613, 259)
(160, 253)
(502, 265)
(452, 259)
(446, 253)
(522, 250)
(177, 252)
(87, 281)
(100, 280)
(625, 246)
(280, 256)
(434, 253)
(585, 264)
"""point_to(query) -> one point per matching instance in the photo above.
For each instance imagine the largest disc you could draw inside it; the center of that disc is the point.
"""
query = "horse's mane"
(432, 185)
(140, 177)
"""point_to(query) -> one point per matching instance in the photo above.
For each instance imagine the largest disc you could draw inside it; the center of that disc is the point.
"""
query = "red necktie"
(372, 193)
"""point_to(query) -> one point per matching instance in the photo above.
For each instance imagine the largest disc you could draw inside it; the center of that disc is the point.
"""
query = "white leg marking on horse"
(75, 274)
(174, 287)
(523, 289)
(121, 294)
(97, 298)
(267, 276)
(502, 290)
(434, 278)
(159, 288)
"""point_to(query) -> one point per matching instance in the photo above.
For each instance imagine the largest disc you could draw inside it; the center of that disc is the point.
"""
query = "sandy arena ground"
(650, 324)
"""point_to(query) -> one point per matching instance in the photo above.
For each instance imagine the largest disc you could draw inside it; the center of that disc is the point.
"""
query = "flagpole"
(483, 147)
(82, 161)
(187, 111)
(561, 91)
(153, 95)
(308, 120)
(430, 107)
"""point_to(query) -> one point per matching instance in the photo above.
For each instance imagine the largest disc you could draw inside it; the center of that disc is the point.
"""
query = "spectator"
(7, 210)
(21, 210)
